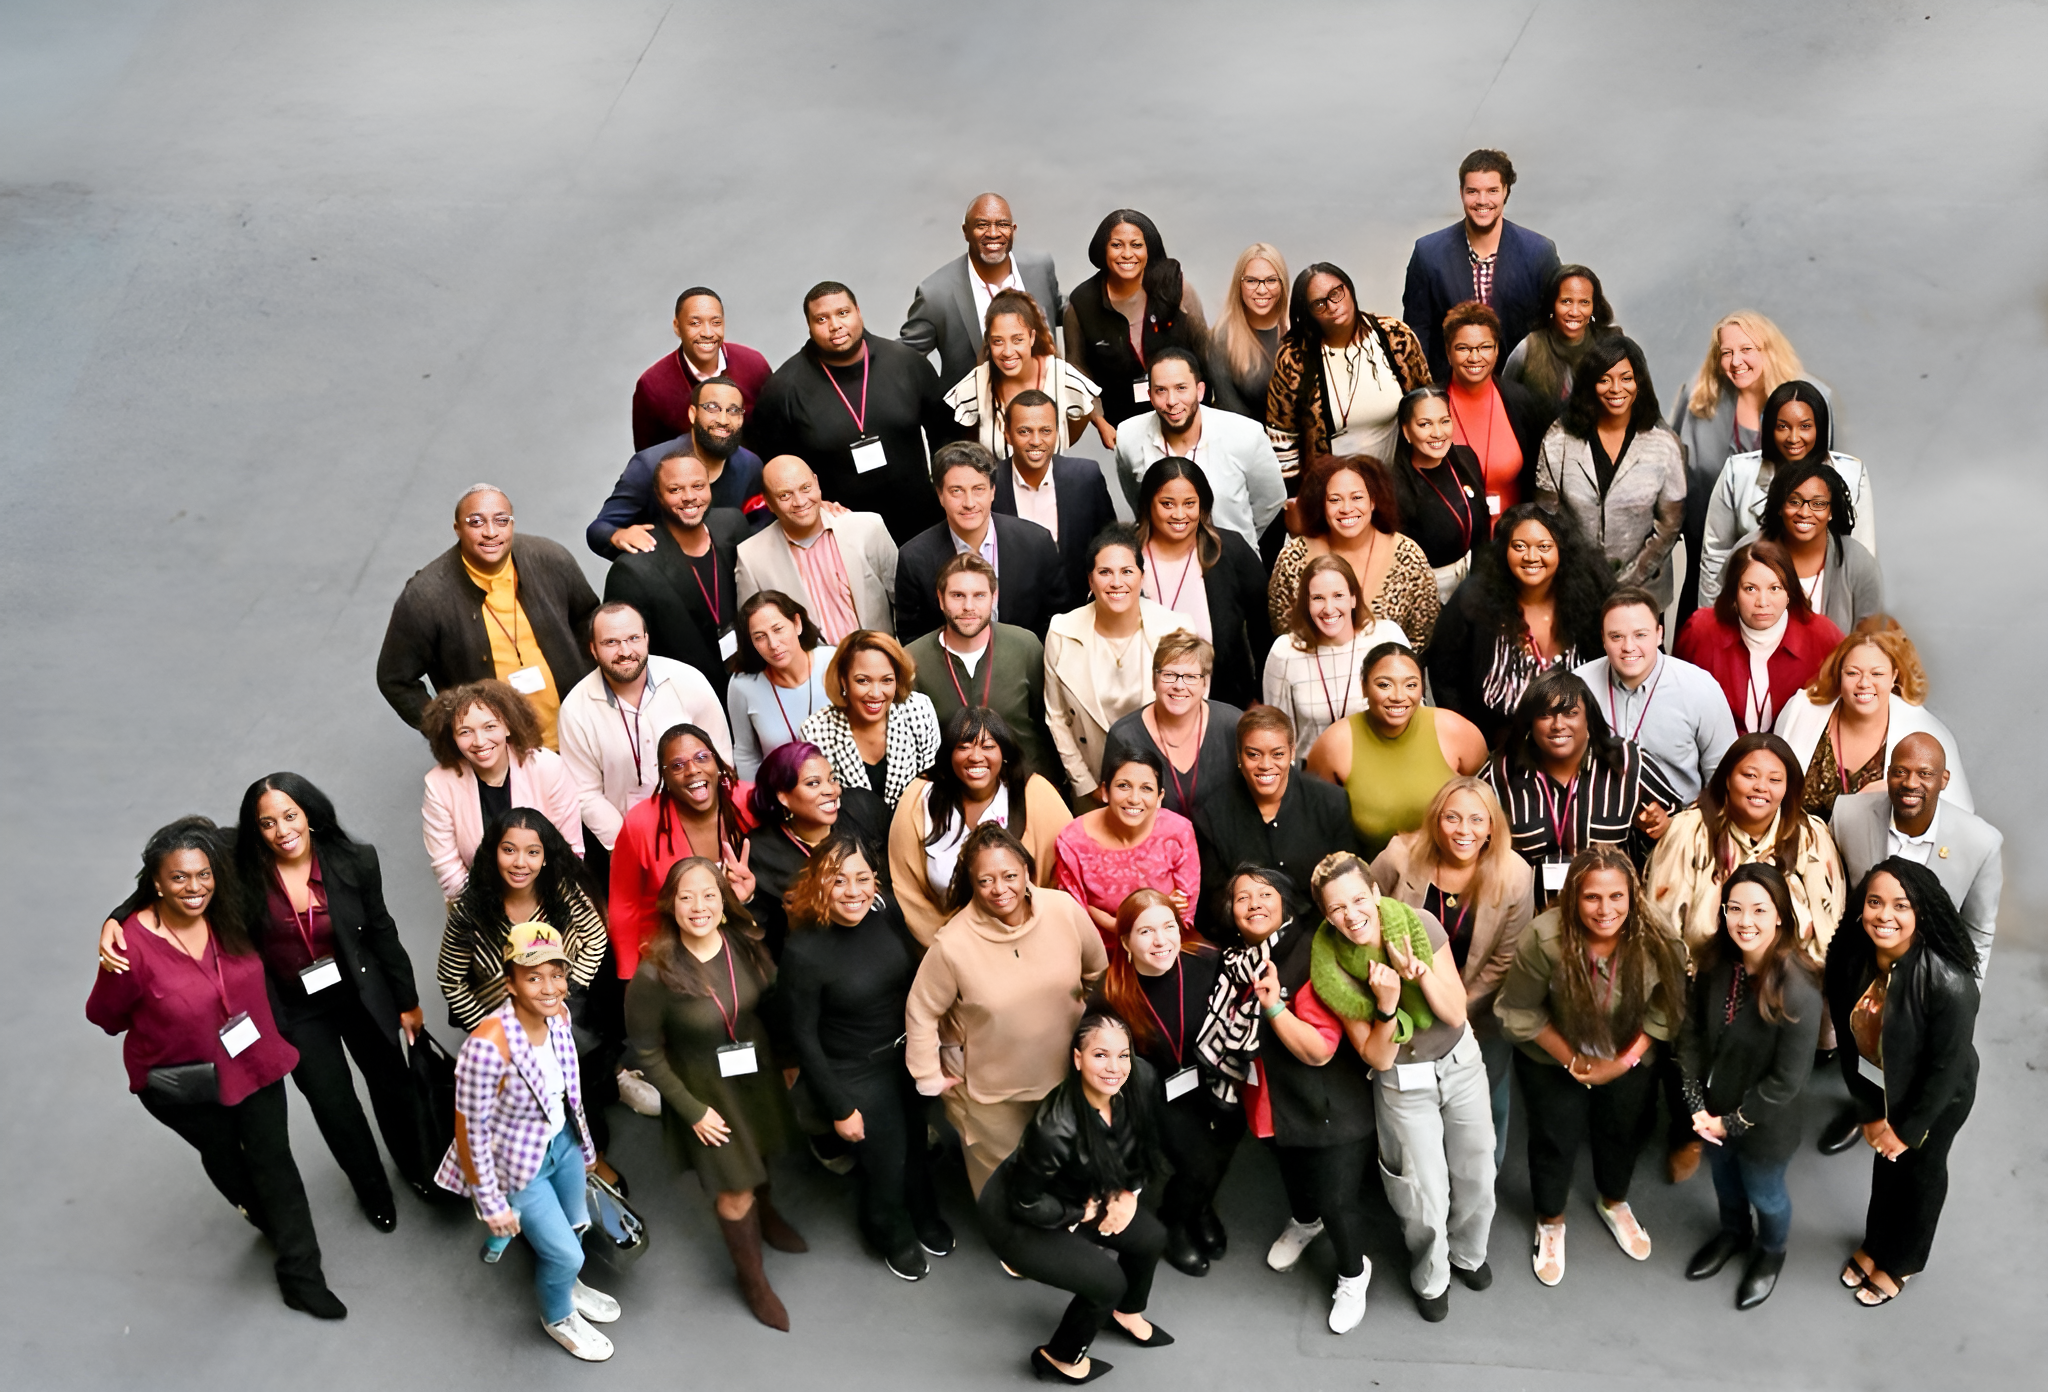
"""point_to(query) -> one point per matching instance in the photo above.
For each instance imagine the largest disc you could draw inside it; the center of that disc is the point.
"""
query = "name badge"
(322, 974)
(1553, 876)
(868, 455)
(238, 1034)
(1251, 1073)
(1493, 503)
(1141, 391)
(737, 1060)
(728, 642)
(1870, 1071)
(527, 681)
(1414, 1077)
(1180, 1084)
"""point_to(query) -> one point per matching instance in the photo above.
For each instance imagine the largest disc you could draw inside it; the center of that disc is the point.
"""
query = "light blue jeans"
(551, 1213)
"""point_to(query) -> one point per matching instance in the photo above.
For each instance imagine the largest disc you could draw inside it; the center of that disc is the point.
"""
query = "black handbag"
(616, 1232)
(185, 1084)
(432, 1072)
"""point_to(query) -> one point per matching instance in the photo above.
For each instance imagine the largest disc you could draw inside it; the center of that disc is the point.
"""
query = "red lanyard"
(220, 981)
(1318, 656)
(776, 692)
(711, 596)
(1485, 449)
(1160, 585)
(1614, 721)
(306, 928)
(1560, 828)
(1180, 995)
(633, 733)
(860, 417)
(1842, 769)
(730, 1032)
(1755, 707)
(1456, 491)
(512, 633)
(988, 678)
(1187, 794)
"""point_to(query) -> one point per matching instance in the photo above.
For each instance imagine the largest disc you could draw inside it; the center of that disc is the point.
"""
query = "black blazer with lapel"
(366, 941)
(1236, 586)
(1530, 418)
(659, 583)
(1084, 508)
(1031, 584)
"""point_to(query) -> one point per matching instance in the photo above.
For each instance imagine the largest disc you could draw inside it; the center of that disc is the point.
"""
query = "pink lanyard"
(711, 597)
(1614, 721)
(776, 692)
(1187, 794)
(860, 417)
(1160, 585)
(730, 1032)
(1180, 994)
(1560, 828)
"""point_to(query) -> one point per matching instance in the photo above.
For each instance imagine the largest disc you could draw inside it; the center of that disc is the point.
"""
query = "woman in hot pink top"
(1132, 843)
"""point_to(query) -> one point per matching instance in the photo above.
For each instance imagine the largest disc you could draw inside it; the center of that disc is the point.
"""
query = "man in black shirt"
(684, 586)
(860, 410)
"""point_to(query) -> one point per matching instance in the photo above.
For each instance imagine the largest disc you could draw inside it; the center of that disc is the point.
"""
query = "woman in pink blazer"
(488, 759)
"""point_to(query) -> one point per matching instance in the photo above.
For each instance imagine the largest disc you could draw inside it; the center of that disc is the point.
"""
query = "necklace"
(1125, 651)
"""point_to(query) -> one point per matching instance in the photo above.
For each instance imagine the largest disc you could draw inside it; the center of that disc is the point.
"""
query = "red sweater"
(1706, 642)
(661, 401)
(648, 844)
(170, 1008)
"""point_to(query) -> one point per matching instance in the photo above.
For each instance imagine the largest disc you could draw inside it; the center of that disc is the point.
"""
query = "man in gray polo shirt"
(1673, 710)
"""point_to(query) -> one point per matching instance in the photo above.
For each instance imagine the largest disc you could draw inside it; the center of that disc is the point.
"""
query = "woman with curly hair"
(488, 759)
(1340, 373)
(1598, 985)
(1347, 509)
(1531, 603)
(699, 808)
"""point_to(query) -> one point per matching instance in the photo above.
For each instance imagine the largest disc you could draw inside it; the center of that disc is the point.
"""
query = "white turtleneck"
(1757, 713)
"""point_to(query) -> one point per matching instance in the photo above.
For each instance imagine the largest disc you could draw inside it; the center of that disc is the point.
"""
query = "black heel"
(1045, 1370)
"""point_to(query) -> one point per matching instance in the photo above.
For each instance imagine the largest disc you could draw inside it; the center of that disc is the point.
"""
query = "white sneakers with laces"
(1628, 1233)
(576, 1335)
(1347, 1303)
(1547, 1253)
(593, 1305)
(1292, 1242)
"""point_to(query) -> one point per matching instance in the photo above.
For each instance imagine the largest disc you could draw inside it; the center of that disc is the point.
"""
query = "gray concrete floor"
(277, 279)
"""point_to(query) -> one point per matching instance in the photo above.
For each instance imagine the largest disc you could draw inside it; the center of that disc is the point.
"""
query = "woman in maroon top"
(203, 1052)
(1761, 640)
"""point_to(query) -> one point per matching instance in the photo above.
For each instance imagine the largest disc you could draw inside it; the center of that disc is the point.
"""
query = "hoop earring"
(879, 903)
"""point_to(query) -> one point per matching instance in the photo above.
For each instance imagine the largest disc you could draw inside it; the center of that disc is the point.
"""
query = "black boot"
(1759, 1280)
(1843, 1132)
(1183, 1254)
(1207, 1232)
(1709, 1260)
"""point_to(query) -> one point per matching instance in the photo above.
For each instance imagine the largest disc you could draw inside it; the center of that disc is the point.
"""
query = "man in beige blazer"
(840, 565)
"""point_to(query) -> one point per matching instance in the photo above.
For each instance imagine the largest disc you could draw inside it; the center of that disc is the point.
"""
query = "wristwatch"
(1383, 1016)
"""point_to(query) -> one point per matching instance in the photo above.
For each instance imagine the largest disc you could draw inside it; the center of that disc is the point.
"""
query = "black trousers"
(1104, 1271)
(1616, 1117)
(1906, 1196)
(327, 1033)
(247, 1153)
(896, 1195)
(1323, 1184)
(1199, 1140)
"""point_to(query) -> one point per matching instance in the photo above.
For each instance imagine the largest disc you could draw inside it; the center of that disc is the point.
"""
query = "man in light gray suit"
(949, 308)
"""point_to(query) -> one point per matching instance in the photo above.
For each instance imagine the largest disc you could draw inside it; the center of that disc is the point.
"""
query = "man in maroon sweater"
(661, 401)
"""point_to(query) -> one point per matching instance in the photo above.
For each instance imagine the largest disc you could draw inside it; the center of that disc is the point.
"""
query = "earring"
(879, 904)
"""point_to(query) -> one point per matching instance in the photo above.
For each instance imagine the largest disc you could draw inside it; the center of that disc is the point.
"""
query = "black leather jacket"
(1930, 1015)
(1049, 1186)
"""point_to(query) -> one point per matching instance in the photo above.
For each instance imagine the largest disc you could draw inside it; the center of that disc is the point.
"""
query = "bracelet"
(1384, 1017)
(1275, 1011)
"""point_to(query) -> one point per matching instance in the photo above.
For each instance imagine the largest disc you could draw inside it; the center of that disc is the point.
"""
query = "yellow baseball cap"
(530, 944)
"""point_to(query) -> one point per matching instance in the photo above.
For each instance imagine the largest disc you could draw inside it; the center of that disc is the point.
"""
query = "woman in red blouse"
(1132, 844)
(1761, 640)
(699, 810)
(202, 1050)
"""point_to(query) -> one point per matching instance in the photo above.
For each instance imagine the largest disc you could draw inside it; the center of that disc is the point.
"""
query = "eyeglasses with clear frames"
(730, 412)
(496, 520)
(703, 758)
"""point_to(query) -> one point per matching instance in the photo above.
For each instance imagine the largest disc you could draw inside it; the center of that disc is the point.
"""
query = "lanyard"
(1180, 995)
(1486, 448)
(1160, 585)
(1560, 827)
(512, 633)
(1457, 490)
(1842, 769)
(730, 1032)
(1614, 721)
(220, 983)
(1756, 709)
(633, 734)
(306, 928)
(1351, 366)
(810, 704)
(860, 417)
(1187, 794)
(711, 595)
(1318, 656)
(988, 678)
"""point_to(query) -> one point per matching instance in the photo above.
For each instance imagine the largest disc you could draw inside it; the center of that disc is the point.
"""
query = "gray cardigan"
(1637, 524)
(1851, 585)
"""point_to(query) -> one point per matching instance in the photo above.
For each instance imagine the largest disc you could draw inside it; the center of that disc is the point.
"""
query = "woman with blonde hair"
(1018, 355)
(880, 731)
(1249, 326)
(1865, 698)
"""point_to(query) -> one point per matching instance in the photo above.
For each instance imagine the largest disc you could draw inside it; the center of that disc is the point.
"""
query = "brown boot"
(775, 1228)
(743, 1240)
(1684, 1161)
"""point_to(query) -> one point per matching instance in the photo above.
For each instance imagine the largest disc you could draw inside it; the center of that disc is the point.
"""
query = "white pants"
(1436, 1160)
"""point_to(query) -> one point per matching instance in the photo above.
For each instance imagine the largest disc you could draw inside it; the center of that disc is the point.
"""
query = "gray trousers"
(1436, 1160)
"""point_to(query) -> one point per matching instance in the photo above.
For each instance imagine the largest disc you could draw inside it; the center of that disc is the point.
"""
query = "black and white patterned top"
(1552, 821)
(913, 745)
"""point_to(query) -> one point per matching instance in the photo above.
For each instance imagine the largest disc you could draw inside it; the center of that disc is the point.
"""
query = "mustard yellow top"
(513, 644)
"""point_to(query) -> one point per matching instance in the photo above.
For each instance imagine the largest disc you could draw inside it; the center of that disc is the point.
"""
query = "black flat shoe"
(1759, 1280)
(1477, 1279)
(1045, 1370)
(1160, 1338)
(1207, 1232)
(1719, 1251)
(1435, 1308)
(908, 1266)
(936, 1237)
(317, 1301)
(1182, 1253)
(1842, 1133)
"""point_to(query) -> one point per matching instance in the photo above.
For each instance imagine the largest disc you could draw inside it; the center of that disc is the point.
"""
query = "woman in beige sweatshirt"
(1005, 978)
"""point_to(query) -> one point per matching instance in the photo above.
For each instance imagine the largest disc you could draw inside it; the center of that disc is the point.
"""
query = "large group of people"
(1451, 735)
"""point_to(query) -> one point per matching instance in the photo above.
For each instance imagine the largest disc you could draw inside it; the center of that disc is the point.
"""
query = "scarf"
(1229, 1035)
(1338, 966)
(1762, 643)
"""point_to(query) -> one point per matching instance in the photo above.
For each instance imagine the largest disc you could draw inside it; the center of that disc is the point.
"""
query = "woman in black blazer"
(1901, 988)
(1744, 1053)
(1226, 604)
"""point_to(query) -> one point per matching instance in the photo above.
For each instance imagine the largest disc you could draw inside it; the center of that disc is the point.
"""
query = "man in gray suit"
(949, 308)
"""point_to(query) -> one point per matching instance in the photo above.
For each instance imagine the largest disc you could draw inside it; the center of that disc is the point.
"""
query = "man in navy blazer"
(1485, 258)
(1031, 584)
(1061, 493)
(949, 307)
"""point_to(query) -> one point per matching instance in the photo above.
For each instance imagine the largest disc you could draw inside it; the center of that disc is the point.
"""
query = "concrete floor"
(277, 279)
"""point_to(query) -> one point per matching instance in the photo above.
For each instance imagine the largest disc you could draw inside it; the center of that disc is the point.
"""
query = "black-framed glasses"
(1260, 282)
(1320, 306)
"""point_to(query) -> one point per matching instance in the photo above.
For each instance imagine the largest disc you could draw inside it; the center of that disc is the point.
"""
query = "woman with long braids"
(1340, 374)
(698, 809)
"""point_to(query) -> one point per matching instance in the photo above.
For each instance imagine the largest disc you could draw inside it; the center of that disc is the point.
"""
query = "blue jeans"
(551, 1212)
(1741, 1184)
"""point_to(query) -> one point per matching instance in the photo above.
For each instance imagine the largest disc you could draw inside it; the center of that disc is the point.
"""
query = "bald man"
(950, 308)
(495, 604)
(840, 565)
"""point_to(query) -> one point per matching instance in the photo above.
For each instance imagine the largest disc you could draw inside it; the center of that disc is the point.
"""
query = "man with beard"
(1061, 493)
(964, 474)
(973, 661)
(950, 309)
(1233, 451)
(627, 521)
(666, 391)
(683, 585)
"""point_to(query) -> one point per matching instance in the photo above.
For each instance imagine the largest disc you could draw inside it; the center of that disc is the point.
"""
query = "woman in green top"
(1598, 982)
(1392, 756)
(692, 1013)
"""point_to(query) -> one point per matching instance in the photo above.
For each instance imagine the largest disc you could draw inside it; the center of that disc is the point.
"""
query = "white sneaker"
(1292, 1242)
(1347, 1305)
(1628, 1233)
(593, 1305)
(1547, 1254)
(575, 1335)
(639, 1094)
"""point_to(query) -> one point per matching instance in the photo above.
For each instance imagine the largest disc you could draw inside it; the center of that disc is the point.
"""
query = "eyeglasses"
(497, 520)
(1180, 678)
(731, 412)
(1260, 282)
(703, 758)
(1335, 297)
(1474, 350)
(1817, 507)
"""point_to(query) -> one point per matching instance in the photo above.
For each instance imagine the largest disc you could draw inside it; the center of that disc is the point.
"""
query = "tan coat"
(1502, 917)
(764, 562)
(1045, 813)
(1077, 716)
(1683, 883)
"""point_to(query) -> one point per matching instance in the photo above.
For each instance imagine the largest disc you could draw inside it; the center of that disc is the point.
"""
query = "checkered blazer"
(501, 1123)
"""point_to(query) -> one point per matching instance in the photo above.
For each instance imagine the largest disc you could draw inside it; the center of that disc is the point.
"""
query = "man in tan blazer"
(840, 565)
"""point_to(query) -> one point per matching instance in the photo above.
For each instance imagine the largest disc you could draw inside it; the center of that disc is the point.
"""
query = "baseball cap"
(530, 944)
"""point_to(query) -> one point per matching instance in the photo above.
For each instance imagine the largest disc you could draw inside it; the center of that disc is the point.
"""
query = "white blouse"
(1323, 686)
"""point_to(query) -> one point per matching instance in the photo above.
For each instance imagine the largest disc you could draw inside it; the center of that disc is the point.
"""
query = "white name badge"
(238, 1034)
(737, 1060)
(1870, 1071)
(1414, 1077)
(868, 455)
(1180, 1084)
(728, 643)
(1141, 391)
(527, 681)
(322, 974)
(1493, 503)
(1553, 876)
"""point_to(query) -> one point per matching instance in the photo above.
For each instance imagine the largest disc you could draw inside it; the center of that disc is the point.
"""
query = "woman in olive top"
(1901, 987)
(845, 977)
(693, 1014)
(1743, 1056)
(1392, 756)
(1598, 983)
(1007, 974)
(1195, 737)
